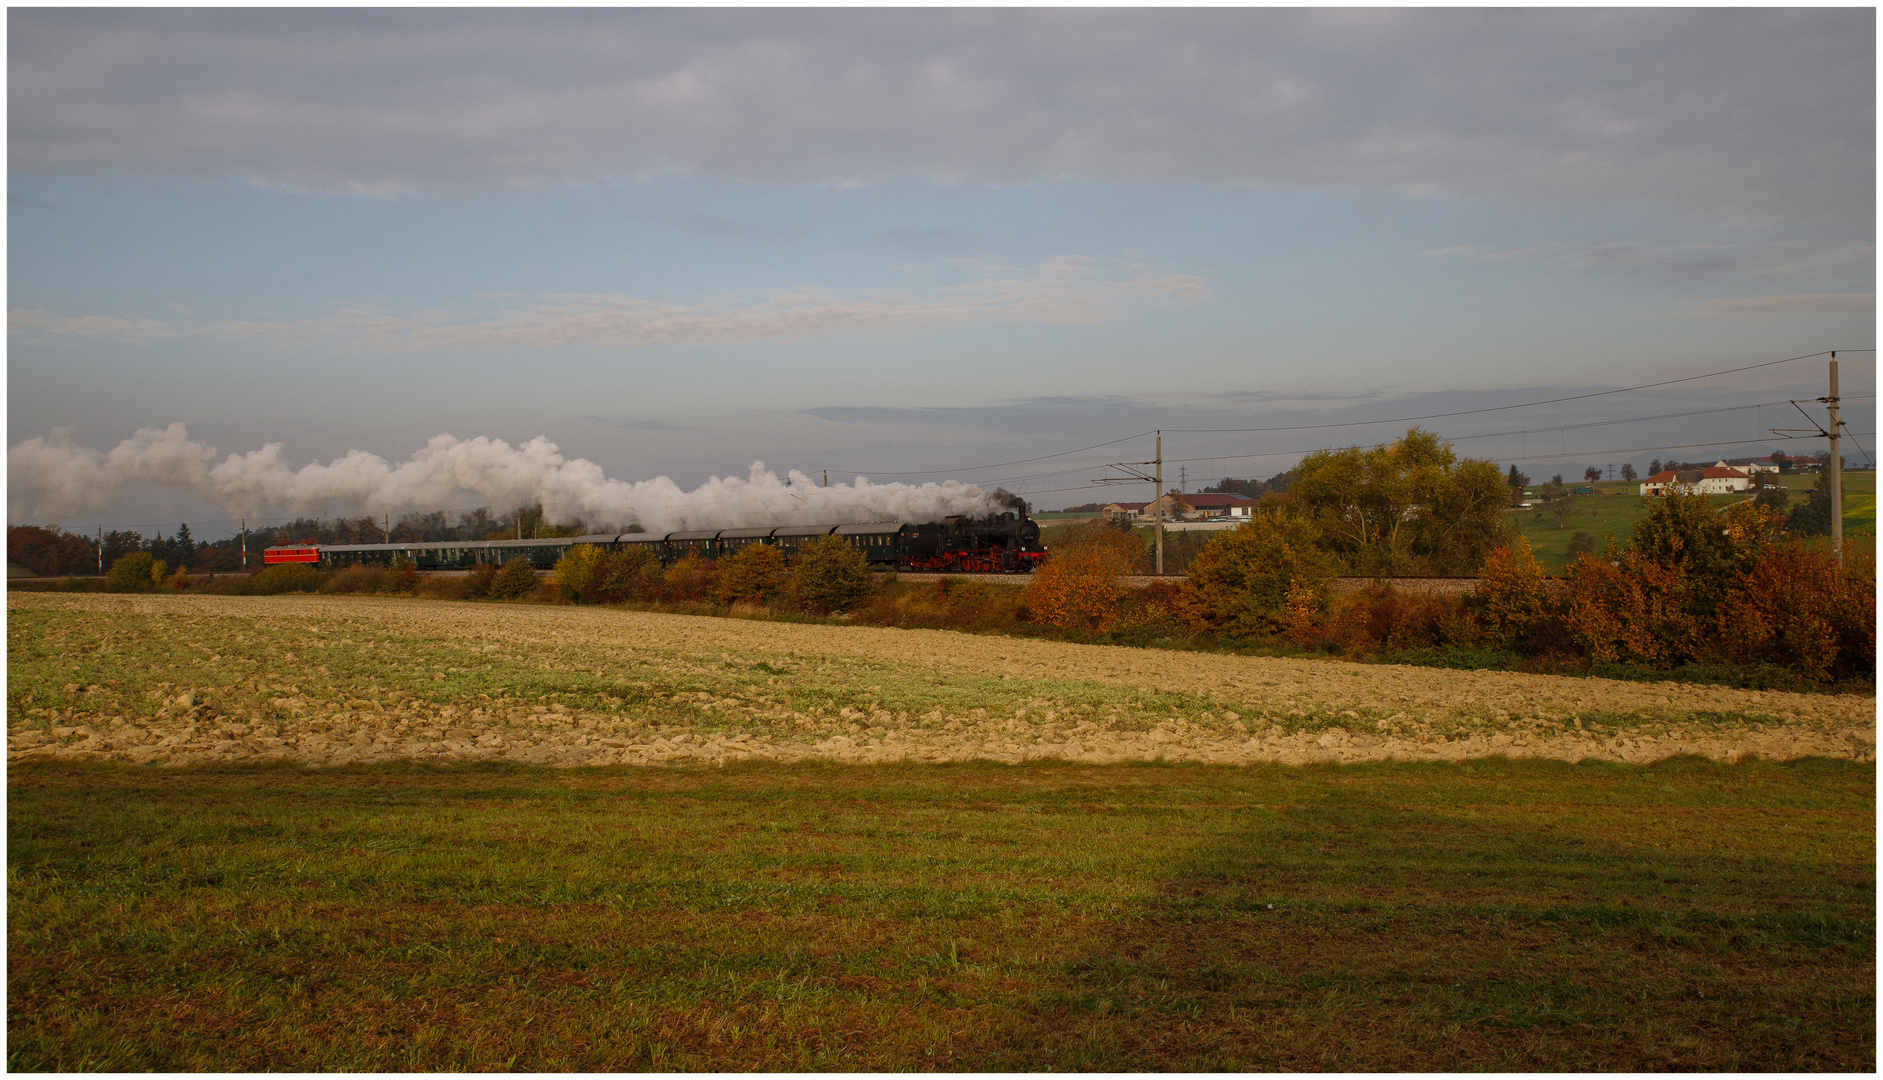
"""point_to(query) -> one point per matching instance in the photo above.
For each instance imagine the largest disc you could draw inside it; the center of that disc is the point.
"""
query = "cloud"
(1802, 304)
(52, 476)
(1065, 290)
(1762, 112)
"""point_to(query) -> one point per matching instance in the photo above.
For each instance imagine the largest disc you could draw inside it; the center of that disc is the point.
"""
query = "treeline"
(49, 551)
(1698, 586)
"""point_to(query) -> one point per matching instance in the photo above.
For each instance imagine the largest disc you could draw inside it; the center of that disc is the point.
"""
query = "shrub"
(623, 576)
(1380, 618)
(286, 578)
(402, 577)
(132, 573)
(1240, 584)
(359, 578)
(477, 582)
(1797, 608)
(750, 574)
(1581, 543)
(830, 575)
(688, 580)
(574, 570)
(517, 578)
(1081, 585)
(1623, 607)
(1512, 593)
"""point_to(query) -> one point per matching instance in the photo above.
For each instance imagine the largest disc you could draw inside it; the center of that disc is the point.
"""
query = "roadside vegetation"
(1700, 589)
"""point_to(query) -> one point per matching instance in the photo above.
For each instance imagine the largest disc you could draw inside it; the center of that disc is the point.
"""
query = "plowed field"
(331, 680)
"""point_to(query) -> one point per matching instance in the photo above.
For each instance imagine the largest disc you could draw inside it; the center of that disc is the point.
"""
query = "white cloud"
(1066, 290)
(1704, 110)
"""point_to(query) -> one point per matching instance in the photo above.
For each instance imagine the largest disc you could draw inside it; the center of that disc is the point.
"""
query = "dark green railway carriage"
(701, 542)
(879, 541)
(732, 541)
(439, 556)
(790, 539)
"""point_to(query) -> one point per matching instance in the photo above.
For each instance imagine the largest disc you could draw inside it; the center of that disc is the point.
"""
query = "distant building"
(1179, 507)
(1720, 479)
(1752, 466)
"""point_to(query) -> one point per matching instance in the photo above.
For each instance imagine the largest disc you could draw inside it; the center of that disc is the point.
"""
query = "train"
(1005, 543)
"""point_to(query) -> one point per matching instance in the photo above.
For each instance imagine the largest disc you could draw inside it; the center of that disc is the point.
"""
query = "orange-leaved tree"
(1512, 594)
(1081, 585)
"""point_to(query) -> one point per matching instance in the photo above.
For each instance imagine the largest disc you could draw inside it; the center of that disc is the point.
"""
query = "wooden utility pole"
(1159, 504)
(1837, 472)
(101, 550)
(245, 543)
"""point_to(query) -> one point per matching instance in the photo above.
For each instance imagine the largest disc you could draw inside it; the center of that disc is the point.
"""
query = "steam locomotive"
(1006, 543)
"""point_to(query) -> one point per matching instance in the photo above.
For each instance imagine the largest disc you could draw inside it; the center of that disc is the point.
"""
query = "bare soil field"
(333, 680)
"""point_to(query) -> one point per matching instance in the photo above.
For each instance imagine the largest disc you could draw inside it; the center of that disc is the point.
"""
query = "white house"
(1720, 479)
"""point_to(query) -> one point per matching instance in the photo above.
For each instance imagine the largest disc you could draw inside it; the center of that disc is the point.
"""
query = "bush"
(1258, 579)
(287, 578)
(401, 578)
(830, 576)
(1797, 608)
(750, 574)
(477, 582)
(1380, 618)
(574, 570)
(1081, 585)
(1511, 595)
(623, 576)
(517, 578)
(688, 580)
(359, 578)
(1626, 608)
(136, 572)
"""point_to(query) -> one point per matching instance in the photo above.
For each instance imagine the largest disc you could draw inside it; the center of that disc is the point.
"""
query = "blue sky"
(908, 244)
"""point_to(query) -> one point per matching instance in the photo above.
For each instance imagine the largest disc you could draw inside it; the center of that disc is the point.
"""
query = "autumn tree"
(1081, 585)
(1243, 582)
(1411, 506)
(1628, 471)
(830, 575)
(750, 574)
(517, 578)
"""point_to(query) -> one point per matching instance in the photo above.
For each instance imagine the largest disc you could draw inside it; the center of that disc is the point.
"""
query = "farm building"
(1719, 479)
(1180, 507)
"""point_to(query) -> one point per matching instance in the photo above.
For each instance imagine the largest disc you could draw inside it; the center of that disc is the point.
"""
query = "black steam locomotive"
(1006, 543)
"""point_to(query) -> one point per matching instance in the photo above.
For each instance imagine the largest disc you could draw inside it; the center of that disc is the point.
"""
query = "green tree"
(1628, 471)
(132, 573)
(830, 575)
(1408, 507)
(1592, 474)
(575, 570)
(1773, 497)
(1557, 502)
(750, 574)
(1814, 517)
(517, 578)
(1238, 585)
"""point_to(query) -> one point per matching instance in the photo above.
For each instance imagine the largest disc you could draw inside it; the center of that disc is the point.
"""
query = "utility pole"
(1138, 476)
(245, 543)
(1837, 472)
(1183, 479)
(1159, 504)
(101, 550)
(826, 477)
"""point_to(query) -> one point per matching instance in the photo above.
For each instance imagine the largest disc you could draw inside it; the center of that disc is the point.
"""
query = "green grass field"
(1617, 506)
(1496, 915)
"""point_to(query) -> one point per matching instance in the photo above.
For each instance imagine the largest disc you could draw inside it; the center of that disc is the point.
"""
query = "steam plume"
(53, 477)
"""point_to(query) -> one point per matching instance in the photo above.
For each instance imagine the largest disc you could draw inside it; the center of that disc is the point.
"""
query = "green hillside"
(1616, 506)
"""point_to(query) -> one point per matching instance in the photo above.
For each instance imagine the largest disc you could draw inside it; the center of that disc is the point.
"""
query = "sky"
(266, 262)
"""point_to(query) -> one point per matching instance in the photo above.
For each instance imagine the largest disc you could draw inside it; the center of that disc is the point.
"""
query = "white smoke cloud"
(52, 476)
